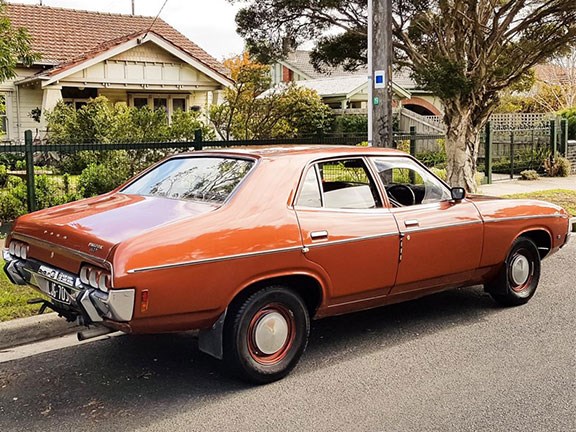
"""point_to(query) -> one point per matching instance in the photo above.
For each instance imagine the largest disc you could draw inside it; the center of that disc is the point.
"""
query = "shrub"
(432, 158)
(529, 175)
(440, 173)
(12, 199)
(3, 175)
(97, 179)
(350, 124)
(570, 115)
(557, 167)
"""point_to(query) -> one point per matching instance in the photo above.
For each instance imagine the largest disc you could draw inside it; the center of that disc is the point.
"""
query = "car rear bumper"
(92, 305)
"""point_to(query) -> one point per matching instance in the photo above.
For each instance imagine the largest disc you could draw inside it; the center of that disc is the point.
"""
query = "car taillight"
(95, 277)
(18, 249)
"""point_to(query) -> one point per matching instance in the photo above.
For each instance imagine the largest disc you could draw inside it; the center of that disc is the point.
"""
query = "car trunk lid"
(96, 225)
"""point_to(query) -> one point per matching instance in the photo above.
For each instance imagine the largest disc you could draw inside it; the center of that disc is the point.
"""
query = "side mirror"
(458, 193)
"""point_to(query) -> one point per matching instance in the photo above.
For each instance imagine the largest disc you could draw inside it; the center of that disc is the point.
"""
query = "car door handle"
(411, 223)
(318, 235)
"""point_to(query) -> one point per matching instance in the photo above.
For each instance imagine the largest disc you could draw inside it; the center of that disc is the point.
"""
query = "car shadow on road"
(105, 381)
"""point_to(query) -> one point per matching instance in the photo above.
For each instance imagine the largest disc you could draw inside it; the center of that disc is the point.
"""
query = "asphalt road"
(448, 362)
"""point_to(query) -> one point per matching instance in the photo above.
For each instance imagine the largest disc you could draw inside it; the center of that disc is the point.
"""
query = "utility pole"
(132, 7)
(380, 73)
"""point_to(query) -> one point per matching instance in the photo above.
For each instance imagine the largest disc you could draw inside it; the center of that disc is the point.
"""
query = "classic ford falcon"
(248, 246)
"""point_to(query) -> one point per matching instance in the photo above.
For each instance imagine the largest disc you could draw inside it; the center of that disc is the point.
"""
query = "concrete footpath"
(27, 330)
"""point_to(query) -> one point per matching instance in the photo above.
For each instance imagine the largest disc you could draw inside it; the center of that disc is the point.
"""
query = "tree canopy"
(464, 51)
(251, 110)
(14, 47)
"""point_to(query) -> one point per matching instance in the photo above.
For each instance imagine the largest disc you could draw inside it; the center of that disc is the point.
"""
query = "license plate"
(58, 293)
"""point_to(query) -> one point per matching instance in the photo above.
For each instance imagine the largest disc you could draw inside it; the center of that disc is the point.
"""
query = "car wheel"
(518, 279)
(265, 334)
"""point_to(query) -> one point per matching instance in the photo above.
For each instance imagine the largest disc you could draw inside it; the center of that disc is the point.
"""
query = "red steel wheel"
(271, 334)
(518, 278)
(265, 334)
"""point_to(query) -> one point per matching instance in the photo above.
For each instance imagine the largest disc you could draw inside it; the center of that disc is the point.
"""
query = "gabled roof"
(346, 86)
(116, 46)
(299, 61)
(62, 35)
(337, 86)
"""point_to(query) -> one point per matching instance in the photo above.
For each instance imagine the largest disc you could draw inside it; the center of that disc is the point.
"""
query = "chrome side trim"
(213, 260)
(351, 240)
(448, 225)
(505, 219)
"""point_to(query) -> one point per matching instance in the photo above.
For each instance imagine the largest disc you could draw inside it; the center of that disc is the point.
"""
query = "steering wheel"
(401, 195)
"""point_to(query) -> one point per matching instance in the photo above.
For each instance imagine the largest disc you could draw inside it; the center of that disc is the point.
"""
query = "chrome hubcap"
(271, 333)
(520, 269)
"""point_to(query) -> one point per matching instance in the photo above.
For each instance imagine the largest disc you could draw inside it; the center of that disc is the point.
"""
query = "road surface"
(449, 362)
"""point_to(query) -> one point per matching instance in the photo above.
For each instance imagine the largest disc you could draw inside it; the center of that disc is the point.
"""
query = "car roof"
(310, 151)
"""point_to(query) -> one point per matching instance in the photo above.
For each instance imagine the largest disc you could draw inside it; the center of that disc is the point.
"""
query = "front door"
(441, 240)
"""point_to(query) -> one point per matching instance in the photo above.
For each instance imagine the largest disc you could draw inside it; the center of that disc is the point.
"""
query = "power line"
(153, 22)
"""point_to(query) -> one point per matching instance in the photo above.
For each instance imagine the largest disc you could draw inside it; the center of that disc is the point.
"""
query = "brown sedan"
(248, 246)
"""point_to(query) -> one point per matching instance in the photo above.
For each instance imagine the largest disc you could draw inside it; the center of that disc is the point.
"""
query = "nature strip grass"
(13, 299)
(563, 197)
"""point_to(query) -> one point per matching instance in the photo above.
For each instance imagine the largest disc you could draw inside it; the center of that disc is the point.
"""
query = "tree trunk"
(462, 142)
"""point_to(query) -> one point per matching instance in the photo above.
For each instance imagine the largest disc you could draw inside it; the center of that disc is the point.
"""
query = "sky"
(208, 23)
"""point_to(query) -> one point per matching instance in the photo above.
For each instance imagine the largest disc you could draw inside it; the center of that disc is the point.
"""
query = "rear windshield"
(194, 178)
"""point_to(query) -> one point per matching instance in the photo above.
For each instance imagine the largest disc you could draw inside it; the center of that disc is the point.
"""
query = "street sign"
(379, 80)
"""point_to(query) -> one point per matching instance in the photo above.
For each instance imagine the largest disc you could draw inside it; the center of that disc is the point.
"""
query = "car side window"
(407, 183)
(344, 184)
(310, 191)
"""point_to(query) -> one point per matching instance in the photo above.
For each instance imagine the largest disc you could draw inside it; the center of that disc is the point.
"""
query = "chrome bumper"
(90, 303)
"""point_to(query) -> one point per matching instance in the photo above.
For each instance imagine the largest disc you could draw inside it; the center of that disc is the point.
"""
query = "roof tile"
(61, 35)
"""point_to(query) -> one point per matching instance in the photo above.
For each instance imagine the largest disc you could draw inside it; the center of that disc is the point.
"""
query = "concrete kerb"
(23, 331)
(28, 330)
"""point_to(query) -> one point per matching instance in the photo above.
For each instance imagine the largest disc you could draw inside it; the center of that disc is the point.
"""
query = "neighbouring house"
(131, 59)
(347, 91)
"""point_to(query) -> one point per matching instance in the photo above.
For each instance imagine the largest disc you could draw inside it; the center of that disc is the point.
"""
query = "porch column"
(50, 98)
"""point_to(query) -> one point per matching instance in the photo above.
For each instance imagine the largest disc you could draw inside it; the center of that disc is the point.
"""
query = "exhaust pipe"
(93, 332)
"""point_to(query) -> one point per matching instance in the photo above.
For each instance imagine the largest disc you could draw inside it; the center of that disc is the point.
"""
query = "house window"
(161, 103)
(140, 102)
(76, 103)
(77, 97)
(178, 104)
(170, 103)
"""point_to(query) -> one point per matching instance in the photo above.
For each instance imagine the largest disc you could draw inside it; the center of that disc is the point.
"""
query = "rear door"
(346, 229)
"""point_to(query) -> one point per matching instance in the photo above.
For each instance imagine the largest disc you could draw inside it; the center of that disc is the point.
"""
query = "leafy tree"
(570, 115)
(14, 47)
(464, 51)
(252, 111)
(556, 82)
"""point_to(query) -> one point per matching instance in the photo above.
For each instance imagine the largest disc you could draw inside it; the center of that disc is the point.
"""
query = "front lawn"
(563, 197)
(13, 299)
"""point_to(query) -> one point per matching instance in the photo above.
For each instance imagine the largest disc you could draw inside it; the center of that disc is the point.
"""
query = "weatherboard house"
(131, 59)
(347, 91)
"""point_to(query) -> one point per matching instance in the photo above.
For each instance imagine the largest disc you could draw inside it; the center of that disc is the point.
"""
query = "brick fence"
(571, 154)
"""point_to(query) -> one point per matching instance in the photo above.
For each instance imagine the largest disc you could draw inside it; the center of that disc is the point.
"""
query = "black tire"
(267, 313)
(517, 280)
